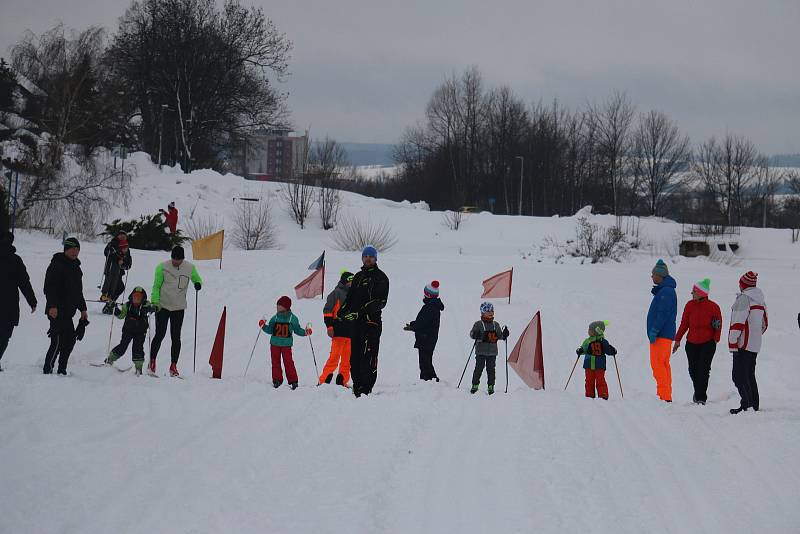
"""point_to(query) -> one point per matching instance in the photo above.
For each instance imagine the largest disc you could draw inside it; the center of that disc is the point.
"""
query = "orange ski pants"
(659, 361)
(340, 351)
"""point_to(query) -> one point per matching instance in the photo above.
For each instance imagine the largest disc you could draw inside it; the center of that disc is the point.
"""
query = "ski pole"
(196, 298)
(573, 370)
(506, 340)
(312, 351)
(618, 378)
(111, 330)
(466, 365)
(252, 352)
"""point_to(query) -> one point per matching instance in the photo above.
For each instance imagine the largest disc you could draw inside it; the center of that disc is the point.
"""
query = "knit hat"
(123, 243)
(661, 269)
(598, 327)
(748, 279)
(432, 290)
(171, 204)
(71, 242)
(369, 250)
(178, 253)
(285, 302)
(487, 307)
(703, 287)
(345, 276)
(138, 289)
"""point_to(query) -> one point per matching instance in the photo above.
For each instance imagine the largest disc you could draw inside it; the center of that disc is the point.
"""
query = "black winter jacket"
(114, 254)
(13, 279)
(367, 295)
(426, 325)
(63, 286)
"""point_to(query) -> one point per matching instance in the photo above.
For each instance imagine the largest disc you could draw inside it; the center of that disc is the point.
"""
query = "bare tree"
(328, 159)
(659, 153)
(353, 233)
(764, 186)
(299, 196)
(726, 169)
(253, 226)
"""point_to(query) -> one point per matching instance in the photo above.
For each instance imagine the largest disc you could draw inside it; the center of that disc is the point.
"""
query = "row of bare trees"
(485, 147)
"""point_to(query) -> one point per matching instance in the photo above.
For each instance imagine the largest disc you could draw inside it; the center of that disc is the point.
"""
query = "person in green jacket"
(168, 297)
(281, 327)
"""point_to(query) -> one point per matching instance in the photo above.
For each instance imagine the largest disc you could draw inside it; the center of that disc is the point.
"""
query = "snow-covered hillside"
(101, 451)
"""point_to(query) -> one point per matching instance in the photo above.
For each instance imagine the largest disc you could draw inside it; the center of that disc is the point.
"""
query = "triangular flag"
(498, 286)
(217, 351)
(319, 263)
(527, 359)
(312, 286)
(209, 247)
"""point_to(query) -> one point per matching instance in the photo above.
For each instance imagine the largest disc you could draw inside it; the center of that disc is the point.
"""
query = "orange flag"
(498, 286)
(209, 247)
(527, 359)
(215, 360)
(312, 286)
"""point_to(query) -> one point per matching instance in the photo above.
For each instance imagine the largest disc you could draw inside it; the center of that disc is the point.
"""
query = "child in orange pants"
(594, 349)
(340, 346)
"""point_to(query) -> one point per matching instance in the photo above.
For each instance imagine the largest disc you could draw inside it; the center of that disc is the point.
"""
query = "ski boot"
(151, 367)
(339, 380)
(293, 385)
(111, 358)
(328, 378)
(734, 411)
(490, 388)
(474, 388)
(62, 372)
(108, 309)
(138, 364)
(173, 370)
(277, 383)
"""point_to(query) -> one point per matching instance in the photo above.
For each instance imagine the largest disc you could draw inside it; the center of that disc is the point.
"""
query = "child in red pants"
(594, 350)
(281, 327)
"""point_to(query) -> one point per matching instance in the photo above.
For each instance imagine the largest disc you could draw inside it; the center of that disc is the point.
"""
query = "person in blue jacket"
(661, 328)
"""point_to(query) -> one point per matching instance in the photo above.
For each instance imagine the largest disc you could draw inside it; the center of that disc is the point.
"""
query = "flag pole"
(510, 285)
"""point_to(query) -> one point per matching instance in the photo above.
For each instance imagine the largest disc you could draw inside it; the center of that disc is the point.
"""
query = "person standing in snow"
(486, 332)
(171, 216)
(702, 318)
(360, 320)
(748, 322)
(340, 345)
(135, 312)
(661, 328)
(13, 279)
(426, 330)
(63, 290)
(168, 297)
(281, 327)
(118, 260)
(594, 350)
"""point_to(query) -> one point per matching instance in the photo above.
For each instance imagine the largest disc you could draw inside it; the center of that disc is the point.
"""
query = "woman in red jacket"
(703, 320)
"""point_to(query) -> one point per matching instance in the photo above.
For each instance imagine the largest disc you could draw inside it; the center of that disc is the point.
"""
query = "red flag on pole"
(312, 286)
(527, 359)
(215, 360)
(498, 286)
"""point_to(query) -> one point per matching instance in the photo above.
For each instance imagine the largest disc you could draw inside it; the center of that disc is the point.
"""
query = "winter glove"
(505, 332)
(309, 331)
(651, 337)
(330, 332)
(408, 328)
(716, 324)
(261, 323)
(579, 351)
(80, 331)
(198, 286)
(351, 316)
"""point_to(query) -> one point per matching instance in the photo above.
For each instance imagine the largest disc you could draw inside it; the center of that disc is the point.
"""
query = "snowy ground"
(102, 451)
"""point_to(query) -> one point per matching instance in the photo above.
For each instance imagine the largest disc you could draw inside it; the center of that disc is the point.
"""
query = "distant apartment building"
(274, 155)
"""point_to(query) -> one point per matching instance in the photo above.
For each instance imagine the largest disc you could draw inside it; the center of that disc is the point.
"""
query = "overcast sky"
(363, 70)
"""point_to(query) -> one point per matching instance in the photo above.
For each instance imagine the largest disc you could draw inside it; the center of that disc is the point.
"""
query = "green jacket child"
(281, 327)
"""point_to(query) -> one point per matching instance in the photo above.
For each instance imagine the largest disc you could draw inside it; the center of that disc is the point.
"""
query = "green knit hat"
(71, 242)
(703, 287)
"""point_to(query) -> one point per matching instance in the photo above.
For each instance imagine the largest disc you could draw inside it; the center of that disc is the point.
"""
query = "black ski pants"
(426, 370)
(138, 345)
(113, 286)
(62, 341)
(364, 346)
(700, 356)
(5, 335)
(175, 321)
(490, 362)
(744, 377)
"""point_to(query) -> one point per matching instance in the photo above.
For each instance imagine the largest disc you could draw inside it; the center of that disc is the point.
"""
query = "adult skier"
(171, 216)
(168, 297)
(13, 279)
(661, 328)
(118, 260)
(748, 322)
(63, 289)
(360, 320)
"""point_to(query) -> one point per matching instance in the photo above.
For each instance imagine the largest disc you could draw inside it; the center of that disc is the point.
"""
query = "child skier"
(426, 330)
(281, 327)
(594, 349)
(135, 313)
(486, 334)
(340, 346)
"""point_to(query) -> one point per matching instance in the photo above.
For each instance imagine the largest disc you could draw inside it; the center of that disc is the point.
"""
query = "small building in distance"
(273, 155)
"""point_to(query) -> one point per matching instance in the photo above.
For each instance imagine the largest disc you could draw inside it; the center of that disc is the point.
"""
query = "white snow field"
(106, 452)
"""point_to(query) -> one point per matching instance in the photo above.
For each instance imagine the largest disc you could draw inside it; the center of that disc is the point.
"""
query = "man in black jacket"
(63, 289)
(426, 330)
(13, 279)
(360, 320)
(118, 260)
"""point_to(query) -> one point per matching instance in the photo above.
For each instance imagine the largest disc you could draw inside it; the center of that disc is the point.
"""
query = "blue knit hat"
(432, 290)
(661, 269)
(487, 307)
(369, 250)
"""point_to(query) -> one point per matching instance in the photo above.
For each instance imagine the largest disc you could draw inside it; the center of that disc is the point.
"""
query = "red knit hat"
(285, 302)
(123, 243)
(432, 290)
(748, 279)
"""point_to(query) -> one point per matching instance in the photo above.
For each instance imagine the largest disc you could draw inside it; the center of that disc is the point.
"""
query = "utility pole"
(521, 174)
(161, 134)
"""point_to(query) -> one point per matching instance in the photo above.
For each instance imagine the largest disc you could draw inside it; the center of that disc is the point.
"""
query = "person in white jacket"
(748, 322)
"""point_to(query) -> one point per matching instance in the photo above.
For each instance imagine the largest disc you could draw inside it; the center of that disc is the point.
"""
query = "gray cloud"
(363, 71)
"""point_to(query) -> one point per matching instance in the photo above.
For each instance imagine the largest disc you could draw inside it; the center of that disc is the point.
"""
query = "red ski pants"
(596, 379)
(286, 353)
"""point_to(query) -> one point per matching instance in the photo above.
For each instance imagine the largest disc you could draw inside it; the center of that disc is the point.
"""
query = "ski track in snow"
(102, 451)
